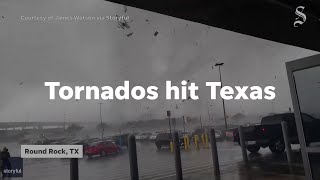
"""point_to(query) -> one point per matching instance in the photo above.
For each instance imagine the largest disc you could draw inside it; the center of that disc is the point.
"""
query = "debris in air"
(130, 34)
(123, 24)
(20, 83)
(125, 9)
(189, 97)
(156, 33)
(2, 17)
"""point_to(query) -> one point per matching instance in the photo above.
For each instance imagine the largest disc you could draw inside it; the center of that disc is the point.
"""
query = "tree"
(74, 128)
(101, 126)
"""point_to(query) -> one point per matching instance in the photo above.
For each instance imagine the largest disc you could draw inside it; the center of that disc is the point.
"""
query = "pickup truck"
(269, 133)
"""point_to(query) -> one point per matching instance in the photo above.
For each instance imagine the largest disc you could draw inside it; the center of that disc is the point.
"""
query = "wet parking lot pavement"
(156, 164)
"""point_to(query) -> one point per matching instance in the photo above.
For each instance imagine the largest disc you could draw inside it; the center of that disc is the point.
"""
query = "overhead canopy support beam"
(268, 19)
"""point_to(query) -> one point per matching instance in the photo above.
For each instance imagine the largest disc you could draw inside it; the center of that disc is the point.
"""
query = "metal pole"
(177, 156)
(120, 138)
(184, 126)
(224, 108)
(243, 144)
(133, 158)
(74, 169)
(286, 139)
(209, 117)
(102, 128)
(169, 124)
(201, 124)
(214, 152)
(64, 121)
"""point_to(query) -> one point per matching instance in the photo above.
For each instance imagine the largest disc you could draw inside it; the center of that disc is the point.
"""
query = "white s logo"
(300, 14)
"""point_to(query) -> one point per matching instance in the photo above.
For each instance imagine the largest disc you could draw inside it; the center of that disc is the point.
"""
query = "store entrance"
(304, 80)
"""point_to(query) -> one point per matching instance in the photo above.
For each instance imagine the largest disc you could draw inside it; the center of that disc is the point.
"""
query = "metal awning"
(267, 19)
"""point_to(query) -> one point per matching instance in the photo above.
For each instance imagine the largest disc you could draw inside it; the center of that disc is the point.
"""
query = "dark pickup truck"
(269, 133)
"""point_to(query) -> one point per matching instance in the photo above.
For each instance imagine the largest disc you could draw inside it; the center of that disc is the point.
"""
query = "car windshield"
(164, 136)
(307, 118)
(95, 143)
(277, 119)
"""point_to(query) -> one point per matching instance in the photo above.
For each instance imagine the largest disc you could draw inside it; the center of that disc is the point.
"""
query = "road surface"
(153, 164)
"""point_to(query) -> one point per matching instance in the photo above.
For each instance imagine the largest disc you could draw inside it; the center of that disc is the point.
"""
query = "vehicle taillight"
(263, 130)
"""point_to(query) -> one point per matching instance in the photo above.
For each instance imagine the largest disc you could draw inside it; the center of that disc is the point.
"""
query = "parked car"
(218, 134)
(101, 148)
(121, 140)
(143, 136)
(164, 139)
(206, 130)
(269, 133)
(153, 136)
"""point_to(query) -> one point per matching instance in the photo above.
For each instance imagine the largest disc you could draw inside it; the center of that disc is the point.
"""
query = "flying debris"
(189, 97)
(130, 34)
(148, 21)
(156, 33)
(124, 24)
(208, 29)
(125, 9)
(20, 83)
(2, 17)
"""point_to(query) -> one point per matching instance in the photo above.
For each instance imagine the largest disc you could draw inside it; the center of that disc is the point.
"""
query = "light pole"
(184, 125)
(102, 128)
(201, 123)
(174, 124)
(64, 122)
(224, 109)
(169, 115)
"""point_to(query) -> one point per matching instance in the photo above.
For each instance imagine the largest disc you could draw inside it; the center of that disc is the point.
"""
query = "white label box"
(51, 151)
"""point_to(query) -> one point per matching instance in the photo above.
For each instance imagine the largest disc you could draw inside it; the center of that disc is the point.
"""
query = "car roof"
(101, 141)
